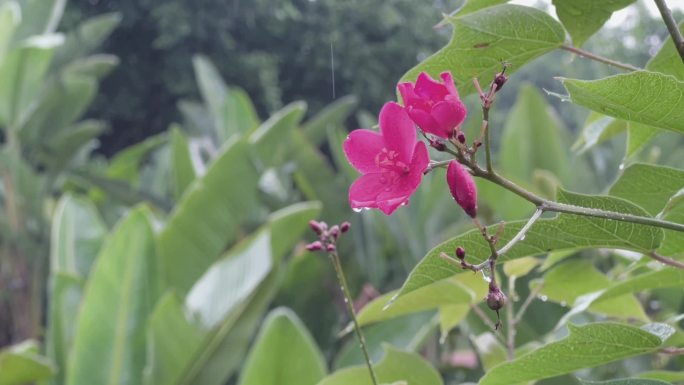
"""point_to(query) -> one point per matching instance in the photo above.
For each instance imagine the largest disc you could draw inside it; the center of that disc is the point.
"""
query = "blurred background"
(137, 101)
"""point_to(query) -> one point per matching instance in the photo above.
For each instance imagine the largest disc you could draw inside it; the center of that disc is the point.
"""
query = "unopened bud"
(335, 231)
(330, 248)
(460, 253)
(500, 80)
(461, 137)
(437, 144)
(344, 227)
(316, 227)
(496, 299)
(462, 187)
(314, 246)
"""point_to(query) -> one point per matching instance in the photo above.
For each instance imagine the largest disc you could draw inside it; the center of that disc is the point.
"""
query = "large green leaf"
(65, 146)
(21, 77)
(583, 18)
(667, 59)
(482, 40)
(561, 285)
(597, 129)
(268, 140)
(208, 216)
(471, 6)
(333, 115)
(86, 37)
(223, 308)
(21, 364)
(586, 346)
(39, 17)
(564, 232)
(10, 16)
(284, 353)
(66, 293)
(626, 381)
(125, 165)
(396, 366)
(644, 97)
(648, 186)
(533, 139)
(109, 345)
(183, 170)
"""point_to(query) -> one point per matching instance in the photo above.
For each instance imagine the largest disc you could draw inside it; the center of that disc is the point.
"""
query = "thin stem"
(438, 164)
(528, 301)
(665, 260)
(672, 351)
(521, 234)
(476, 309)
(671, 24)
(510, 335)
(488, 148)
(350, 307)
(601, 59)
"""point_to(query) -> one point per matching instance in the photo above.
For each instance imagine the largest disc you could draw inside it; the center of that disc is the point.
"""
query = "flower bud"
(330, 248)
(437, 144)
(460, 253)
(335, 231)
(462, 187)
(461, 137)
(314, 246)
(316, 227)
(344, 227)
(500, 80)
(496, 299)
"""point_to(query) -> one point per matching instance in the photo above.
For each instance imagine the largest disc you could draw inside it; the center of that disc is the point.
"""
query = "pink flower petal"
(399, 193)
(449, 83)
(426, 122)
(398, 130)
(420, 160)
(363, 193)
(449, 114)
(408, 96)
(428, 88)
(362, 147)
(462, 187)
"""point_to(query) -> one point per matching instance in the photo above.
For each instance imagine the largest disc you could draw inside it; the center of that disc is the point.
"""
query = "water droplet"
(543, 298)
(523, 237)
(485, 275)
(346, 300)
(391, 301)
(564, 304)
(621, 166)
(357, 210)
(442, 338)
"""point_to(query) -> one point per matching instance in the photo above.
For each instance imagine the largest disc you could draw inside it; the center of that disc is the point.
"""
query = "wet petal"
(361, 148)
(426, 122)
(364, 192)
(428, 88)
(449, 83)
(398, 130)
(449, 114)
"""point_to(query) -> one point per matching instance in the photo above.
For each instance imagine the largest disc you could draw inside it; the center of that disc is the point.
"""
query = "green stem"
(488, 149)
(350, 307)
(671, 24)
(510, 335)
(600, 59)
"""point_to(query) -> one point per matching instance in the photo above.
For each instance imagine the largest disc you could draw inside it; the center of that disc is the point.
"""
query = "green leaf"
(482, 40)
(208, 216)
(267, 140)
(667, 59)
(21, 364)
(395, 366)
(561, 285)
(66, 292)
(586, 346)
(126, 163)
(86, 37)
(664, 375)
(451, 316)
(534, 139)
(673, 244)
(94, 66)
(471, 6)
(490, 350)
(284, 353)
(596, 130)
(38, 17)
(520, 267)
(578, 233)
(21, 77)
(583, 18)
(625, 381)
(644, 97)
(638, 136)
(332, 116)
(183, 169)
(109, 345)
(224, 308)
(10, 17)
(441, 293)
(77, 235)
(65, 146)
(648, 186)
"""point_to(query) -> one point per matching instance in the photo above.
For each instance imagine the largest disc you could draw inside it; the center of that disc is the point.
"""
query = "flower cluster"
(392, 161)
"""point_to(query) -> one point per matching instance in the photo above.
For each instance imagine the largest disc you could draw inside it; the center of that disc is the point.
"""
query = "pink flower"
(433, 106)
(462, 187)
(391, 161)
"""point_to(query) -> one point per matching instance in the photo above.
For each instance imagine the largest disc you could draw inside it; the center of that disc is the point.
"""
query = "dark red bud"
(344, 227)
(460, 253)
(314, 246)
(500, 80)
(461, 137)
(330, 248)
(496, 299)
(437, 144)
